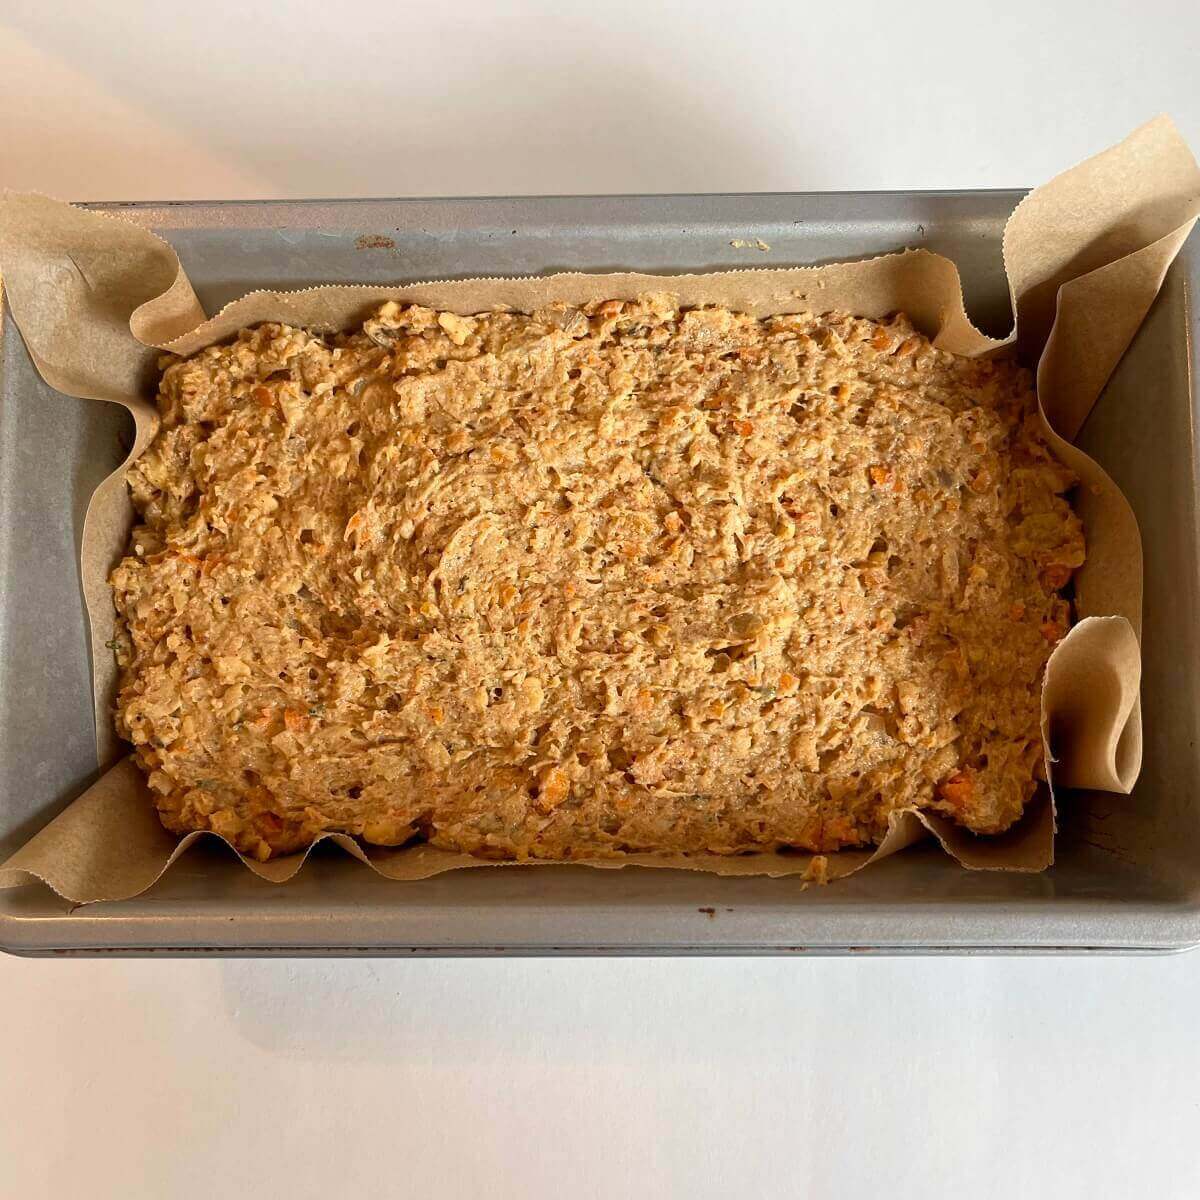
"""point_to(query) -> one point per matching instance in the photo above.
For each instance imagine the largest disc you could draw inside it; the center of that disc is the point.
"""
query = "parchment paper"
(95, 298)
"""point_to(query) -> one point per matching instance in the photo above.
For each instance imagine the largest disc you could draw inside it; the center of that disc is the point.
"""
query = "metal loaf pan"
(1128, 870)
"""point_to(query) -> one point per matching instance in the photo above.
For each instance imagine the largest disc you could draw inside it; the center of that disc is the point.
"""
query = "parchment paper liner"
(96, 297)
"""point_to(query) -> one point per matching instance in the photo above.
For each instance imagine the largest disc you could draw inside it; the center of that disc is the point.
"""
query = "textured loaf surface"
(584, 582)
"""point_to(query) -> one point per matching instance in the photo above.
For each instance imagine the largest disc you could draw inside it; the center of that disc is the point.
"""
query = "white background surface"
(731, 1078)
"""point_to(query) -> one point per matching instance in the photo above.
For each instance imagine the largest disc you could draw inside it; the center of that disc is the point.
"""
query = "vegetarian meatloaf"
(594, 580)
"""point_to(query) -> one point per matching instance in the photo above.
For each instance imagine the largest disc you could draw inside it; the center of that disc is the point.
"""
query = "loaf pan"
(1127, 876)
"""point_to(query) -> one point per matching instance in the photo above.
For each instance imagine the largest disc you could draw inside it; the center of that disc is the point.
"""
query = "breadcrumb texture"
(591, 581)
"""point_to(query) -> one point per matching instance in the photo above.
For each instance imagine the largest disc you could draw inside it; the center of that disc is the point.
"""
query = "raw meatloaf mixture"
(619, 578)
